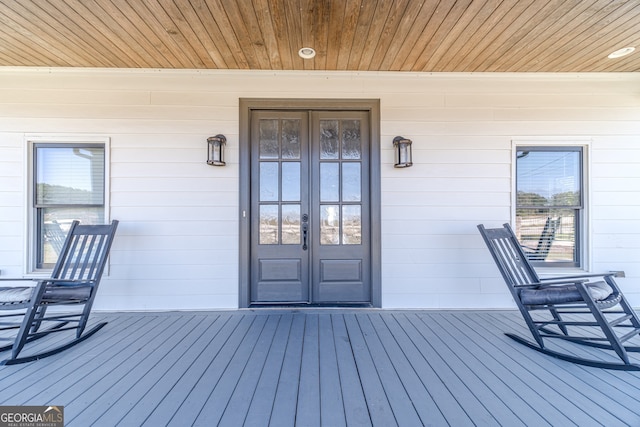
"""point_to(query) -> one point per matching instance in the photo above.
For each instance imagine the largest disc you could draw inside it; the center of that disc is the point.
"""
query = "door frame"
(247, 105)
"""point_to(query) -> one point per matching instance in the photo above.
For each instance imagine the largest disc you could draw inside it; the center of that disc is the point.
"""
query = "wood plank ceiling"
(375, 35)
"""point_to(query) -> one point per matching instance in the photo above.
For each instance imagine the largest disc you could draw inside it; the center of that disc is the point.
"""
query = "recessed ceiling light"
(621, 52)
(307, 53)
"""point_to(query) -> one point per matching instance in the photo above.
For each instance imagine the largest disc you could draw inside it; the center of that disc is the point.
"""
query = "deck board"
(379, 406)
(101, 385)
(72, 379)
(261, 404)
(469, 375)
(520, 394)
(308, 410)
(428, 374)
(403, 407)
(542, 376)
(236, 410)
(332, 408)
(128, 392)
(356, 412)
(474, 363)
(136, 404)
(173, 396)
(18, 381)
(286, 397)
(423, 399)
(318, 367)
(215, 388)
(105, 393)
(469, 402)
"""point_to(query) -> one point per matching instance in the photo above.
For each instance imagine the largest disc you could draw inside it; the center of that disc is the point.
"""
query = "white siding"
(177, 246)
(11, 204)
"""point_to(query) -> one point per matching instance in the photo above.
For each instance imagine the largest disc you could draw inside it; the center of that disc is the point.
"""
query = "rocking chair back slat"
(509, 257)
(82, 257)
(97, 243)
(85, 268)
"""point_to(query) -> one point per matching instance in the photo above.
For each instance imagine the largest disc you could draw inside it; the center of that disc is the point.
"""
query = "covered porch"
(318, 367)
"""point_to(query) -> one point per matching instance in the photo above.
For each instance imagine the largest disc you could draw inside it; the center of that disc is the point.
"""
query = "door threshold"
(309, 305)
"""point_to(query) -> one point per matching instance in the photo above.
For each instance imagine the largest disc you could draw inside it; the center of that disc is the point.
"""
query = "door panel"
(279, 265)
(310, 207)
(340, 204)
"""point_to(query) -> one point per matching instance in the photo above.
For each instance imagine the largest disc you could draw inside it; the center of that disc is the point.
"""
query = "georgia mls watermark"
(31, 416)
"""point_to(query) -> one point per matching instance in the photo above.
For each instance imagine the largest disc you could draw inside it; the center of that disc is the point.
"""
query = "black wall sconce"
(402, 149)
(215, 155)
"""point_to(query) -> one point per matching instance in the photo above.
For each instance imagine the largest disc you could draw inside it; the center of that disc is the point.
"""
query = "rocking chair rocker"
(577, 309)
(74, 282)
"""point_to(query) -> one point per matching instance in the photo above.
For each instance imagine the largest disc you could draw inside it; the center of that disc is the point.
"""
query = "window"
(550, 204)
(68, 184)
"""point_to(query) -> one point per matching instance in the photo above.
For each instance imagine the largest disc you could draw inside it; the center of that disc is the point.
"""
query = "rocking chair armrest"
(55, 282)
(548, 284)
(43, 279)
(585, 277)
(562, 282)
(527, 285)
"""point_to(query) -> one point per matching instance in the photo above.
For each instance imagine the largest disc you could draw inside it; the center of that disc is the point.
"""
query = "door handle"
(304, 236)
(305, 228)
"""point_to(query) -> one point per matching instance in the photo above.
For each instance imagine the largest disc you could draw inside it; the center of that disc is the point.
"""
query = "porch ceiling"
(382, 35)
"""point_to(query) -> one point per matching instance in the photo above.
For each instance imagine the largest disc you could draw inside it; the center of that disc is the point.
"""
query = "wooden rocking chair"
(588, 309)
(74, 282)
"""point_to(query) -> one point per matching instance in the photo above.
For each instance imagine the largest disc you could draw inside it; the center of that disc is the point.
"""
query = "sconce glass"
(215, 154)
(402, 149)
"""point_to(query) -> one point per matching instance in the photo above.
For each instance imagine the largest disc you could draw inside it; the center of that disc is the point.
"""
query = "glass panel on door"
(340, 182)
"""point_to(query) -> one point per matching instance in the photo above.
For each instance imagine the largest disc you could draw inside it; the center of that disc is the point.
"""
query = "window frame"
(32, 231)
(582, 217)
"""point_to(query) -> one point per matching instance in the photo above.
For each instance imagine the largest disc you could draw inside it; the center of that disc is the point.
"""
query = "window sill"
(38, 274)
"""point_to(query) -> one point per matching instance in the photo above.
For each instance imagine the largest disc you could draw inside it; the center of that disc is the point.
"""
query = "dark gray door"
(310, 217)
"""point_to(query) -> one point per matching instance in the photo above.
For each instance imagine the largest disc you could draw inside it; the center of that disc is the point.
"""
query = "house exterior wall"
(178, 242)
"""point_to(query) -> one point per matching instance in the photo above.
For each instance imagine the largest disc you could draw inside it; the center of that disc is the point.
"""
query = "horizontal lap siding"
(11, 204)
(177, 246)
(616, 212)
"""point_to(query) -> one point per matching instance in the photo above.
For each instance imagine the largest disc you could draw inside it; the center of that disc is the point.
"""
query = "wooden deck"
(319, 367)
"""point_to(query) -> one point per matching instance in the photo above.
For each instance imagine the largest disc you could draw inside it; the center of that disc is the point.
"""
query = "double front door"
(310, 220)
